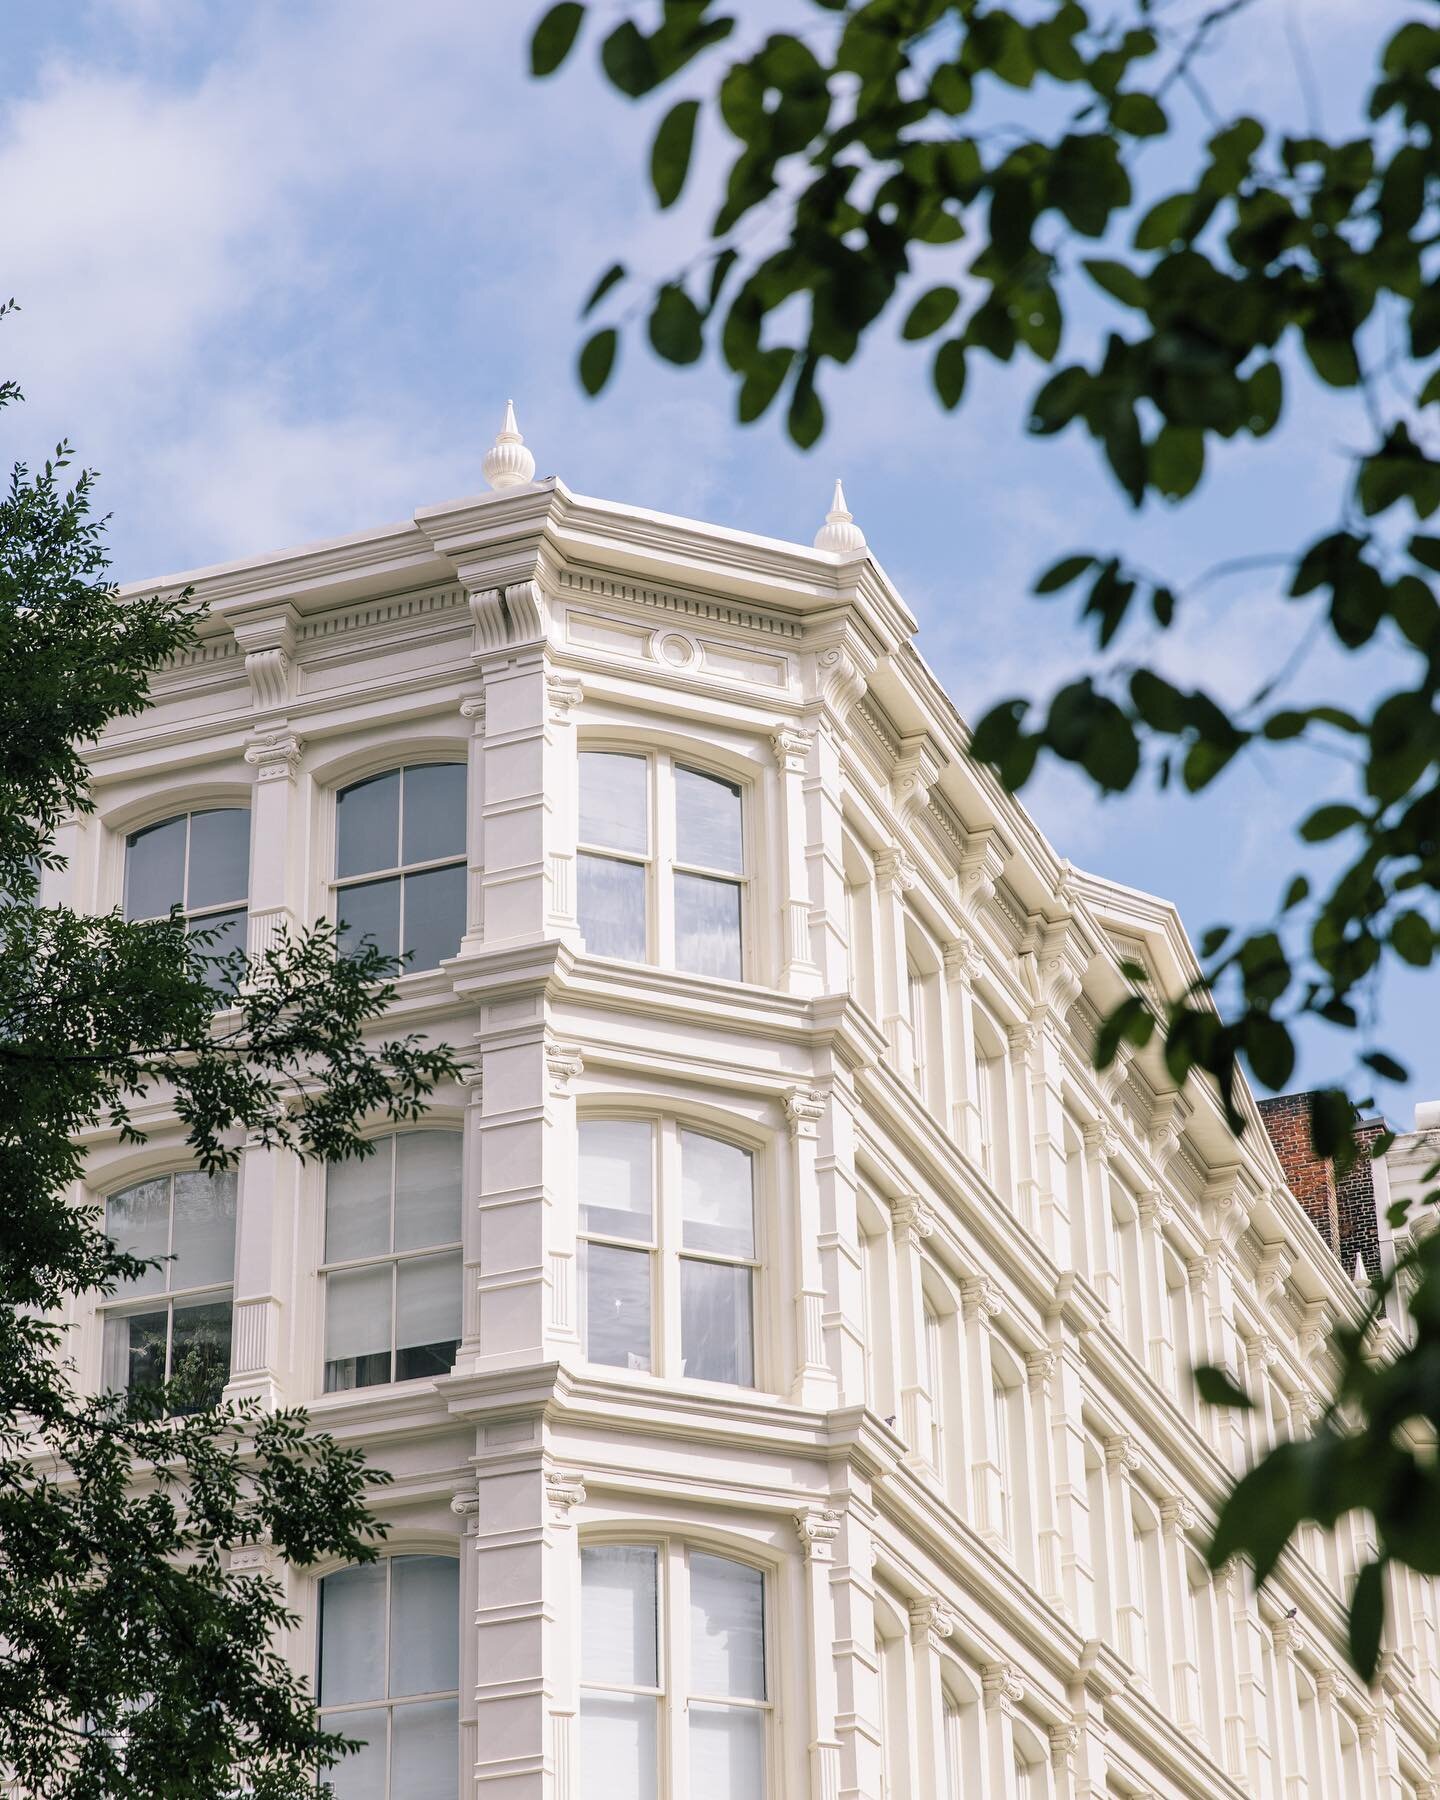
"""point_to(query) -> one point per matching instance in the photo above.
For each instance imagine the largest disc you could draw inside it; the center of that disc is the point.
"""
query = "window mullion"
(662, 881)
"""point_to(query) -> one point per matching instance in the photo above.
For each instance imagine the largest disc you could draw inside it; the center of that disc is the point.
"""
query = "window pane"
(727, 1753)
(425, 1752)
(134, 1350)
(615, 1305)
(617, 1746)
(427, 1316)
(427, 1189)
(614, 801)
(434, 915)
(371, 910)
(434, 812)
(617, 1166)
(360, 1776)
(707, 822)
(138, 1220)
(716, 1327)
(367, 825)
(204, 1241)
(727, 1628)
(357, 1328)
(357, 1205)
(155, 869)
(424, 1624)
(219, 857)
(200, 1352)
(707, 927)
(352, 1635)
(223, 933)
(717, 1195)
(612, 907)
(618, 1615)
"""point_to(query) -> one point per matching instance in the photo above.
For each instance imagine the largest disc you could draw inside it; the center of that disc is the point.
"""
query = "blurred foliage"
(876, 138)
(133, 1660)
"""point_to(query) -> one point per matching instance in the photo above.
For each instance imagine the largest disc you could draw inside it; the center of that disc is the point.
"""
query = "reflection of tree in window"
(400, 870)
(172, 1324)
(200, 862)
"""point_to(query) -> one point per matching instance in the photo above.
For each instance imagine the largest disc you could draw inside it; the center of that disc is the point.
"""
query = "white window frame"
(659, 859)
(667, 1253)
(672, 1658)
(336, 885)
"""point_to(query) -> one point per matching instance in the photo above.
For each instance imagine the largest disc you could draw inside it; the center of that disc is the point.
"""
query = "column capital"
(563, 693)
(1001, 1684)
(894, 871)
(790, 749)
(981, 1299)
(804, 1109)
(963, 961)
(1178, 1515)
(564, 1491)
(1040, 1365)
(817, 1527)
(931, 1621)
(1155, 1208)
(1101, 1139)
(1064, 1741)
(910, 1216)
(472, 707)
(563, 1062)
(274, 755)
(1122, 1452)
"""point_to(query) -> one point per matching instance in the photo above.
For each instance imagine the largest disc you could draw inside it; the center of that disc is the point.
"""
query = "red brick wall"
(1311, 1177)
(1355, 1203)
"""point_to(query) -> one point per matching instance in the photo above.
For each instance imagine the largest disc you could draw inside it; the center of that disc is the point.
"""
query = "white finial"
(839, 532)
(507, 462)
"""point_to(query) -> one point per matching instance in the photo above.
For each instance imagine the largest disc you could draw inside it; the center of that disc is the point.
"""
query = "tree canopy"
(1010, 140)
(133, 1658)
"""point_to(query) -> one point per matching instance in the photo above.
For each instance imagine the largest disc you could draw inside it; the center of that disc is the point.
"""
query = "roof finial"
(839, 532)
(508, 463)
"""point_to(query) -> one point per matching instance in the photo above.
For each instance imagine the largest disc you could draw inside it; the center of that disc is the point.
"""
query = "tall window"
(934, 1385)
(668, 1258)
(673, 1674)
(200, 862)
(1004, 1459)
(390, 1677)
(173, 1322)
(400, 862)
(392, 1261)
(661, 863)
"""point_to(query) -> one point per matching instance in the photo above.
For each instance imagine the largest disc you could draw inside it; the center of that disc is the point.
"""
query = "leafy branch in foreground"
(880, 145)
(133, 1658)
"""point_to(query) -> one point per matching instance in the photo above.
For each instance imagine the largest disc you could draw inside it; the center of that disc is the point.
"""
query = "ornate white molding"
(1101, 1140)
(269, 649)
(1040, 1365)
(506, 618)
(894, 869)
(981, 865)
(1179, 1515)
(818, 1528)
(563, 1062)
(563, 693)
(1064, 1741)
(275, 756)
(473, 708)
(1122, 1452)
(910, 1216)
(962, 961)
(915, 773)
(981, 1298)
(843, 678)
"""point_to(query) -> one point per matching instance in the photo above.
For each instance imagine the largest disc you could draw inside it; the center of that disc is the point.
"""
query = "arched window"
(673, 1673)
(662, 863)
(173, 1322)
(400, 863)
(200, 862)
(935, 1386)
(1125, 1214)
(897, 1745)
(1177, 1301)
(964, 1748)
(877, 1275)
(660, 1203)
(392, 1261)
(859, 923)
(390, 1677)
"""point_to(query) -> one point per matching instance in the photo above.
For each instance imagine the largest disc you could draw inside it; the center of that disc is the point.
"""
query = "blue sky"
(282, 264)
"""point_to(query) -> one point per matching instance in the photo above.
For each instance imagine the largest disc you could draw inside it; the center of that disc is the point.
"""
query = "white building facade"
(781, 1340)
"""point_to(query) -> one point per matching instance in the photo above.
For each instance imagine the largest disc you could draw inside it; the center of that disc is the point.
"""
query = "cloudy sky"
(281, 264)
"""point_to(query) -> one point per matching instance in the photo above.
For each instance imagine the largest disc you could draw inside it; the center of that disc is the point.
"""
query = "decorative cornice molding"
(916, 771)
(981, 866)
(268, 644)
(506, 619)
(843, 677)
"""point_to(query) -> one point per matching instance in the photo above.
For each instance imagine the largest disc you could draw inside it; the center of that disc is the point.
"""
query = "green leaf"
(1216, 1388)
(616, 272)
(1329, 821)
(629, 61)
(1166, 223)
(1176, 460)
(1139, 116)
(1412, 937)
(1061, 574)
(670, 154)
(1385, 1066)
(1367, 1618)
(806, 417)
(949, 372)
(676, 325)
(1298, 890)
(932, 310)
(554, 37)
(764, 378)
(597, 359)
(1118, 280)
(1425, 550)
